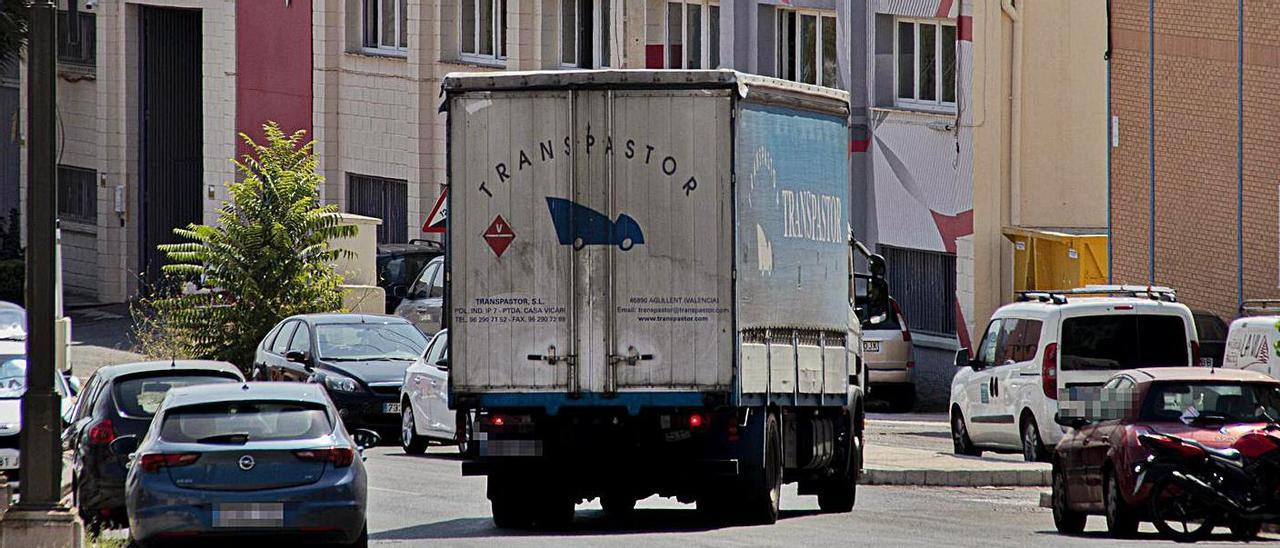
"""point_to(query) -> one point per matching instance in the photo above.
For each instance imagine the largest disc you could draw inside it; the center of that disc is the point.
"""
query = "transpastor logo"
(812, 216)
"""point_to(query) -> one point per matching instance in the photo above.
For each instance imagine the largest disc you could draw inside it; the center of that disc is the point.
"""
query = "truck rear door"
(597, 260)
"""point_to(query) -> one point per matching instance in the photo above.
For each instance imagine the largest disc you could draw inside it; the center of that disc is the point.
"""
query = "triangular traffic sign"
(439, 214)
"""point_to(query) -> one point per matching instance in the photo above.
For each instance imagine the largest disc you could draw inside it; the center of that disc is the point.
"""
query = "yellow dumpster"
(1054, 259)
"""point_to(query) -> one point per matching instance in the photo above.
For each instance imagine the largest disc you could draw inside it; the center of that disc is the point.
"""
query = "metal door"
(172, 131)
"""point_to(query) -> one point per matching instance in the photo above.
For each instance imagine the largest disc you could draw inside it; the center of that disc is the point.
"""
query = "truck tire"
(509, 504)
(764, 485)
(618, 504)
(841, 491)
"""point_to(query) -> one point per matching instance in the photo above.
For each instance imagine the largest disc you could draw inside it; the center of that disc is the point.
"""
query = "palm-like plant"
(268, 257)
(13, 29)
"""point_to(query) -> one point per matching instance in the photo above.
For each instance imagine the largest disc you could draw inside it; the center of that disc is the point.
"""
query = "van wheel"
(1033, 449)
(960, 437)
(764, 486)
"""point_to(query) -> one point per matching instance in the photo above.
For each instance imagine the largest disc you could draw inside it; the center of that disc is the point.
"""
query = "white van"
(1055, 350)
(1252, 344)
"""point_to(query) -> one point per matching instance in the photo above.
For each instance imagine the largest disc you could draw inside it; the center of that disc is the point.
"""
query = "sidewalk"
(917, 450)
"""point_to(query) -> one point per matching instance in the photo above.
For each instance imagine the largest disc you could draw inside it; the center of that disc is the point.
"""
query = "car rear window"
(141, 396)
(1173, 401)
(252, 420)
(1114, 342)
(1210, 327)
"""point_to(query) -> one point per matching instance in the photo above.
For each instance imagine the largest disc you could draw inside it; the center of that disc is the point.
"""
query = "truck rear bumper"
(703, 468)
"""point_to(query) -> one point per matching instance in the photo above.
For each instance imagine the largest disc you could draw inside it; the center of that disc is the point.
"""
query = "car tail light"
(339, 456)
(902, 321)
(153, 462)
(102, 432)
(1049, 371)
(1195, 354)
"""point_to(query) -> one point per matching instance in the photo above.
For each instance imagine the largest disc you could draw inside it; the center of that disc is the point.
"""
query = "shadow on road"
(589, 522)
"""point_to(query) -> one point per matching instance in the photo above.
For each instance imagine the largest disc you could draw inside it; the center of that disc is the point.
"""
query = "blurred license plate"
(8, 459)
(391, 408)
(248, 514)
(870, 346)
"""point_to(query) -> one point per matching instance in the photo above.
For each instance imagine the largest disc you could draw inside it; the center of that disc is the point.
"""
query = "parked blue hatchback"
(262, 460)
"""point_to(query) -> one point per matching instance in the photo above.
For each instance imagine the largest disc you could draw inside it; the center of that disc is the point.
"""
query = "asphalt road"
(420, 500)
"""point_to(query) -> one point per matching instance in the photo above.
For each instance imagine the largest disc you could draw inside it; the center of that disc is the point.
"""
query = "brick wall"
(1195, 104)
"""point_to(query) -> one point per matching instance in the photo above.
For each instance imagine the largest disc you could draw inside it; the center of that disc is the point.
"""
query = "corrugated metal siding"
(172, 130)
(386, 199)
(924, 284)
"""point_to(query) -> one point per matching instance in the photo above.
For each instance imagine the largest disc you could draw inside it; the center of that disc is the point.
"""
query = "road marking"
(410, 493)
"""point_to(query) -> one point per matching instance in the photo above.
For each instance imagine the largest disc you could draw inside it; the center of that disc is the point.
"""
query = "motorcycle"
(1195, 488)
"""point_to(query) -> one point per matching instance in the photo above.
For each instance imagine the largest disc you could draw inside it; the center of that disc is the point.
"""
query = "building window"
(924, 284)
(77, 46)
(807, 47)
(386, 25)
(383, 198)
(587, 32)
(925, 63)
(484, 30)
(78, 194)
(690, 36)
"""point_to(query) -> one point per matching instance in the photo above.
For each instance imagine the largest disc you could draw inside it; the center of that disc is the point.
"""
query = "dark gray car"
(258, 460)
(424, 303)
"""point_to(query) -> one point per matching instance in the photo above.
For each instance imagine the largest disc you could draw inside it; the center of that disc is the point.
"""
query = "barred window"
(924, 284)
(78, 194)
(77, 46)
(383, 198)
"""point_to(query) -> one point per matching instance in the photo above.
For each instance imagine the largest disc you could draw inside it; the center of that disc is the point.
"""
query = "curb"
(958, 478)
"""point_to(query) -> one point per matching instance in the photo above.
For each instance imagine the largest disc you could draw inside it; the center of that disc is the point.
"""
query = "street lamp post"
(41, 466)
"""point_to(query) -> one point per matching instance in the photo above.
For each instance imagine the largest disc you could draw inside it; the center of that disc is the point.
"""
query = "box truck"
(650, 291)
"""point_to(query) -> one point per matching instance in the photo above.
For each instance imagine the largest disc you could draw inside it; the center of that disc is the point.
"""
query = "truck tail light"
(1195, 353)
(902, 322)
(339, 456)
(695, 420)
(153, 462)
(102, 433)
(1049, 371)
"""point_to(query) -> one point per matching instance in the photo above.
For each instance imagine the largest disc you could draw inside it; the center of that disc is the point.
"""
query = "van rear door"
(1094, 345)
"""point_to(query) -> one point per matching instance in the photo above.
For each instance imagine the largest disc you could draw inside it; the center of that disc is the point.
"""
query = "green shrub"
(267, 258)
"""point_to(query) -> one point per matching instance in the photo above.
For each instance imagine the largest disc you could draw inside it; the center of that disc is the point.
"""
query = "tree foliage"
(267, 258)
(14, 15)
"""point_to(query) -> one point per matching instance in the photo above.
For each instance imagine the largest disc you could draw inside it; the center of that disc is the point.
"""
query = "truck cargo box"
(647, 238)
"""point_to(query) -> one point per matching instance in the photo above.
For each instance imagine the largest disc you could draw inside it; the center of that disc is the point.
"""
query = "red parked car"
(1093, 465)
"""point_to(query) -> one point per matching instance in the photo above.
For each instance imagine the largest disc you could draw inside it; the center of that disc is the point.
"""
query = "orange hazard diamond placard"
(499, 235)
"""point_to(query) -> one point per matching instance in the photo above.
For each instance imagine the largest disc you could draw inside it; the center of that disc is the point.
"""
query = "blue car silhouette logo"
(581, 226)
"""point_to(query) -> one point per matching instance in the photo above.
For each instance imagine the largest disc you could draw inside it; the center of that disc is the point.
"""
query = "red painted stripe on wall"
(951, 227)
(944, 8)
(964, 26)
(859, 145)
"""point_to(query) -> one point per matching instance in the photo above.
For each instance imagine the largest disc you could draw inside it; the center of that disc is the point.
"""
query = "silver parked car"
(262, 460)
(886, 346)
(424, 303)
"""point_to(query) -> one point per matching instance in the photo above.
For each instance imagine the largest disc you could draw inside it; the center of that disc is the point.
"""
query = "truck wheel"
(764, 486)
(509, 504)
(553, 511)
(617, 504)
(841, 491)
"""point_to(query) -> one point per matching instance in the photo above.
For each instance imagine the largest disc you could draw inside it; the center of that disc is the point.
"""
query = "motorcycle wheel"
(1246, 530)
(1179, 515)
